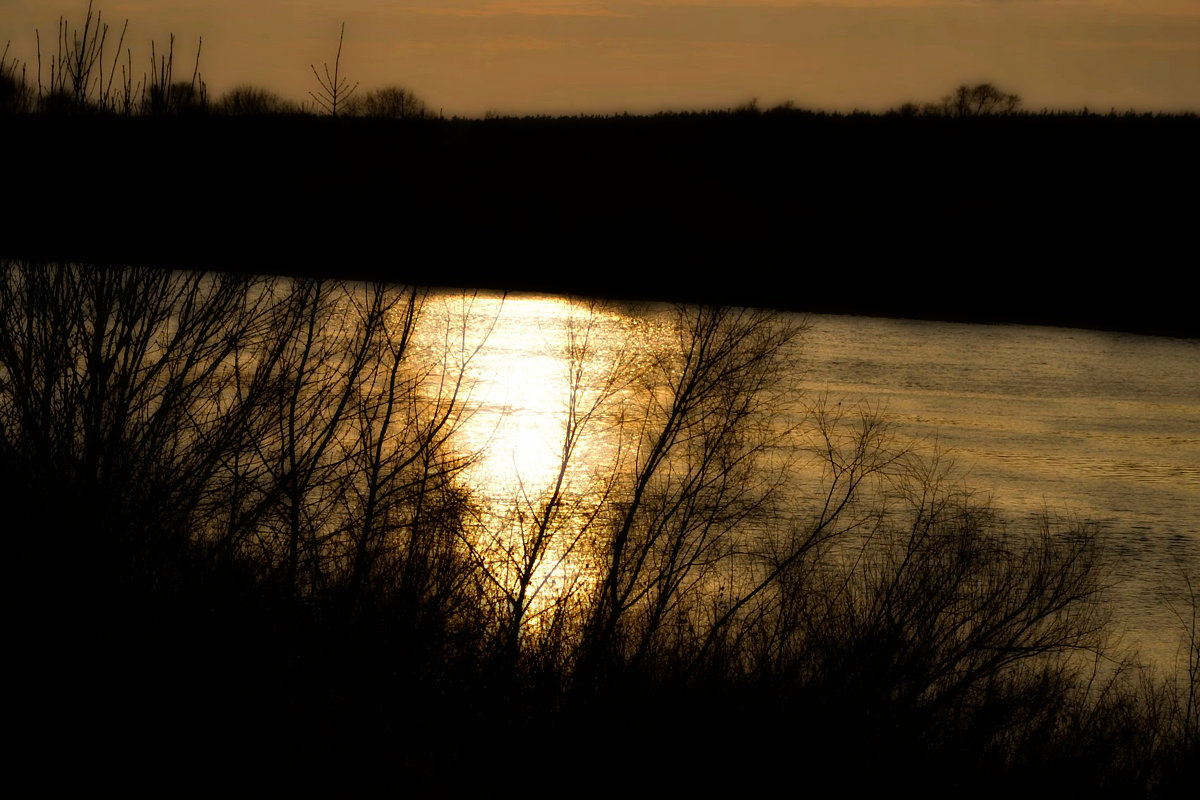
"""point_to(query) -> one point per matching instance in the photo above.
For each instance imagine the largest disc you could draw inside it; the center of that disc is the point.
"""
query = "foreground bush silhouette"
(201, 429)
(268, 542)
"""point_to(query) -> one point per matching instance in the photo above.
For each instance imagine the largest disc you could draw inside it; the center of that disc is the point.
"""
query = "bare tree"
(335, 90)
(699, 477)
(110, 394)
(532, 552)
(391, 102)
(273, 421)
(981, 100)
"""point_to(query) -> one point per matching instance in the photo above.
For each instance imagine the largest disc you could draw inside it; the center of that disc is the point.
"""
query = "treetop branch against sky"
(467, 57)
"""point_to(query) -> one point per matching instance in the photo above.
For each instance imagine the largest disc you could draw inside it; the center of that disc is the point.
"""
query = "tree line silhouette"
(76, 83)
(240, 519)
(904, 197)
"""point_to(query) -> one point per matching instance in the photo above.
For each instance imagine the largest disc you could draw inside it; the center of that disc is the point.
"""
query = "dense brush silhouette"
(238, 514)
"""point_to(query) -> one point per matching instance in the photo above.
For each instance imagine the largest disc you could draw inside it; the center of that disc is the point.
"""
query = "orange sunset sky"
(467, 57)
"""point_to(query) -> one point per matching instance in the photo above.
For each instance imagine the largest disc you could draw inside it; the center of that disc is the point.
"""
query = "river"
(1102, 428)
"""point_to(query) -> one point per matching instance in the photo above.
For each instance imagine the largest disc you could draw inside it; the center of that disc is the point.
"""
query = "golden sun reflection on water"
(518, 427)
(523, 361)
(519, 385)
(1100, 449)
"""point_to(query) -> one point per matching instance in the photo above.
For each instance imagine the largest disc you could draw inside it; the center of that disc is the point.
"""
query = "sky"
(470, 57)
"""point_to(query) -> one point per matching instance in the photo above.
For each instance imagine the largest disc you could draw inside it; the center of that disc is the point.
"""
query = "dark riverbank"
(1080, 220)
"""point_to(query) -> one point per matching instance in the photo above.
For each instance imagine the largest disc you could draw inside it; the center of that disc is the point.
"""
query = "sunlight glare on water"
(519, 383)
(1096, 427)
(532, 370)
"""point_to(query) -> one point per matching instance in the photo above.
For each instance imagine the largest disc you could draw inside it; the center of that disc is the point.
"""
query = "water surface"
(1102, 428)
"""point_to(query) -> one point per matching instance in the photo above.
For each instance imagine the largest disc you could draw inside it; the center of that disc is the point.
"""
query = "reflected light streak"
(515, 357)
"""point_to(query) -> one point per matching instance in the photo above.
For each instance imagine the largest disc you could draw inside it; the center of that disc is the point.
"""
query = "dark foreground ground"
(1067, 219)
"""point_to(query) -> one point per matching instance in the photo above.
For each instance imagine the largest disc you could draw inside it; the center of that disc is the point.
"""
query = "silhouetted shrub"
(981, 100)
(16, 95)
(392, 102)
(247, 100)
(177, 98)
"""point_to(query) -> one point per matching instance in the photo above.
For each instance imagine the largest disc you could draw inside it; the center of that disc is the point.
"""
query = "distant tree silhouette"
(980, 100)
(391, 102)
(180, 97)
(252, 100)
